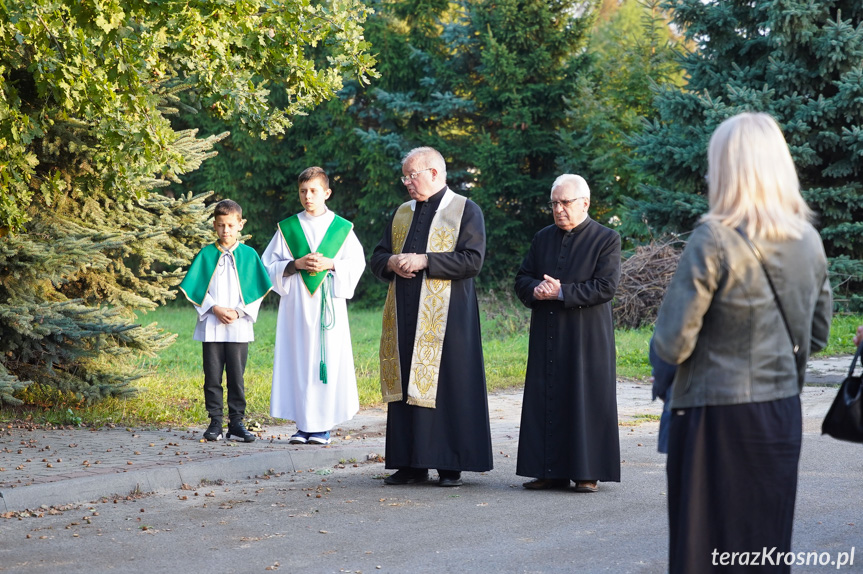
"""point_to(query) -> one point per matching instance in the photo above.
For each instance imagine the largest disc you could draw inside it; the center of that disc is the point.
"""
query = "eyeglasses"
(414, 175)
(564, 202)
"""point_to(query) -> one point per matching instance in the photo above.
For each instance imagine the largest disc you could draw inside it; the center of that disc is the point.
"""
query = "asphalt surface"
(130, 499)
(43, 467)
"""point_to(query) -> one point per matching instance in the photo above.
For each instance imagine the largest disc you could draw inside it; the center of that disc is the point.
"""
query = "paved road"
(247, 508)
(67, 465)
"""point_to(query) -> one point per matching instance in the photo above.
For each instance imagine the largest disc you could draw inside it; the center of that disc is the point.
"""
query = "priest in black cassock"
(432, 372)
(569, 414)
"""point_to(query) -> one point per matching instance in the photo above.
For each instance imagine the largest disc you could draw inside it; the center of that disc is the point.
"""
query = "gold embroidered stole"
(432, 316)
(391, 379)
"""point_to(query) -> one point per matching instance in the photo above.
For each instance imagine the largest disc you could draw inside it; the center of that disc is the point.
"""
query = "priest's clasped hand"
(548, 289)
(314, 263)
(407, 264)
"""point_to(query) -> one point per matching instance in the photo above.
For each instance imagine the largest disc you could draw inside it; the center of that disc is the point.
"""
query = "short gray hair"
(581, 188)
(430, 156)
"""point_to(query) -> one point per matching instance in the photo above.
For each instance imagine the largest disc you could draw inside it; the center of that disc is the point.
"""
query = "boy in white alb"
(314, 261)
(226, 282)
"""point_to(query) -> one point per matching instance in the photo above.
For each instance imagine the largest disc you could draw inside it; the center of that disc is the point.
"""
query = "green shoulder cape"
(254, 280)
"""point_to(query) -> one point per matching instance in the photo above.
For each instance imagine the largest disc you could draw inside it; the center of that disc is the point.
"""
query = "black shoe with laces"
(214, 431)
(238, 431)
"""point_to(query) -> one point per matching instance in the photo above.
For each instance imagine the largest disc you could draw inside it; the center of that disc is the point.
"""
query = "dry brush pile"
(644, 278)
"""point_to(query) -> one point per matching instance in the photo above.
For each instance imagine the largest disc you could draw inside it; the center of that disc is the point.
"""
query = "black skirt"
(732, 484)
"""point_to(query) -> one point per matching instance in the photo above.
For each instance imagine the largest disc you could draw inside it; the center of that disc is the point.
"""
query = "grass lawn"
(172, 395)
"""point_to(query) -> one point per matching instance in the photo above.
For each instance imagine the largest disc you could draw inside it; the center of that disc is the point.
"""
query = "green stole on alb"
(295, 238)
(251, 273)
(334, 238)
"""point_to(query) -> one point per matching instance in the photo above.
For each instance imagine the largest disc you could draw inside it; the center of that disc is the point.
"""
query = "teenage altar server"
(314, 261)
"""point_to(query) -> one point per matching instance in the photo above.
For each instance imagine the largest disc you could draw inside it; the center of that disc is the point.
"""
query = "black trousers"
(229, 358)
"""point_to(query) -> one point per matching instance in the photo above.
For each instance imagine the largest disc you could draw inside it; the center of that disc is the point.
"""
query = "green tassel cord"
(328, 321)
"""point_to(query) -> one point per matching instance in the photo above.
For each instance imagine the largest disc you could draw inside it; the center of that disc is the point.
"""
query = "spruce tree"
(86, 96)
(484, 82)
(631, 51)
(801, 62)
(519, 61)
(358, 138)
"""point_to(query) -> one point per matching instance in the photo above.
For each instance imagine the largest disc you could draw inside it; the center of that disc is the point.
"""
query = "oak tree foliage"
(87, 95)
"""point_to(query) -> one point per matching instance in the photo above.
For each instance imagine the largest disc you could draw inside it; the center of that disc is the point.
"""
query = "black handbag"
(844, 420)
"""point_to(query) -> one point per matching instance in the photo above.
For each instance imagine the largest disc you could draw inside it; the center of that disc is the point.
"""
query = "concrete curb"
(90, 488)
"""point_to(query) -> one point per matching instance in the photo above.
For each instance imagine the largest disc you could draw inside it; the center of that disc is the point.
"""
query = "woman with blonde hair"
(741, 345)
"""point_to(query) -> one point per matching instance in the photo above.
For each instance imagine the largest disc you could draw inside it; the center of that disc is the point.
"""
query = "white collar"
(447, 198)
(308, 217)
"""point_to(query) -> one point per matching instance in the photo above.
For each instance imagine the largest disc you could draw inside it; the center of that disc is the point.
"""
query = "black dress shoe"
(408, 476)
(214, 431)
(449, 478)
(238, 431)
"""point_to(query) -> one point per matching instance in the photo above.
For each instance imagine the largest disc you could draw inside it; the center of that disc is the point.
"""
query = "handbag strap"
(854, 360)
(760, 259)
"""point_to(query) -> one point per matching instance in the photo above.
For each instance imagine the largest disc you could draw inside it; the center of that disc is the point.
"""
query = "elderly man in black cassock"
(569, 414)
(432, 373)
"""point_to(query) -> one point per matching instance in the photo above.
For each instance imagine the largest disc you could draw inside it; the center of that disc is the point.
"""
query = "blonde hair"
(752, 182)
